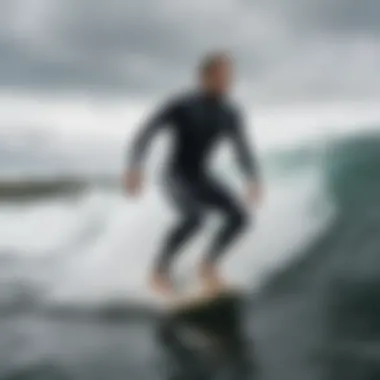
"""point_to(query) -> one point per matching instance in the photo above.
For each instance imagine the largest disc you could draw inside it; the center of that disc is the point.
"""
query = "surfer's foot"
(161, 283)
(211, 278)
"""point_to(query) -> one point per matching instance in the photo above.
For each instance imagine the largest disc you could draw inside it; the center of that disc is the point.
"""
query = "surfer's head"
(216, 73)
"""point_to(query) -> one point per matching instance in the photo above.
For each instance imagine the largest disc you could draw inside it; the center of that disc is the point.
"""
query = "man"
(197, 122)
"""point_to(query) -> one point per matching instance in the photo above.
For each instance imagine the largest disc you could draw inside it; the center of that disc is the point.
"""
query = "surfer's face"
(219, 78)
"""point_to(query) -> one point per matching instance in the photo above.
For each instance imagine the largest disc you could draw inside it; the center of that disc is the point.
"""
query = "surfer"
(197, 121)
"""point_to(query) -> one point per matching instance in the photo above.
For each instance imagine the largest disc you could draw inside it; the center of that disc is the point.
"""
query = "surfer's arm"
(139, 147)
(141, 142)
(246, 158)
(245, 154)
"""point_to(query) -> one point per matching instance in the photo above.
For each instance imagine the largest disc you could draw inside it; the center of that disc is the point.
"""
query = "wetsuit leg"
(183, 195)
(192, 199)
(216, 196)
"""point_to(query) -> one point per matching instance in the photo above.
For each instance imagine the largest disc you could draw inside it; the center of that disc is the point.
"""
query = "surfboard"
(200, 299)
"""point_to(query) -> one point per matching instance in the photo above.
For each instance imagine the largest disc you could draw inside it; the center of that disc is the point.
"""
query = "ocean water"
(73, 248)
(90, 244)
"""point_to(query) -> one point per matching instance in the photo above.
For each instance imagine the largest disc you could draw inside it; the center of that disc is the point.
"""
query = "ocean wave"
(103, 242)
(79, 254)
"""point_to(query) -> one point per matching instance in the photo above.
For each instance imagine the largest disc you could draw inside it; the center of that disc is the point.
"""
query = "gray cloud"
(285, 48)
(342, 16)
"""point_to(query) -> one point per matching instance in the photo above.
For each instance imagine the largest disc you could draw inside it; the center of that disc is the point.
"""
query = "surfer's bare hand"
(254, 193)
(133, 182)
(161, 284)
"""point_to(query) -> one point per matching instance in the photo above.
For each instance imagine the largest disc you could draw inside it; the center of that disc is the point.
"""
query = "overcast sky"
(286, 49)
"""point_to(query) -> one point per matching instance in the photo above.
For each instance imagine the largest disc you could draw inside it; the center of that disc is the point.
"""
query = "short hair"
(212, 60)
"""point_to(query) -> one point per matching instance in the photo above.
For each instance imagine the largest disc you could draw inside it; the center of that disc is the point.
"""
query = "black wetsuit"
(197, 122)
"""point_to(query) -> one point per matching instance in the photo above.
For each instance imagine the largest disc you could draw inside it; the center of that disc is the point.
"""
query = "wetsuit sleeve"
(140, 144)
(244, 150)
